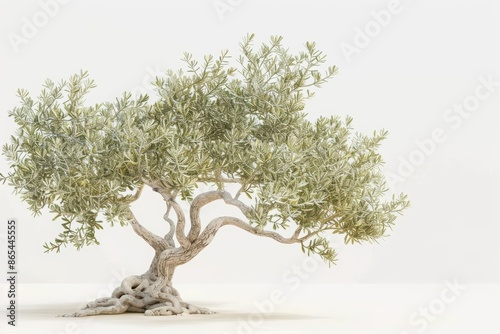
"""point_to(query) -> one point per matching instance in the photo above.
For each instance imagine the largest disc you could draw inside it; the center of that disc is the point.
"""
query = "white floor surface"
(287, 309)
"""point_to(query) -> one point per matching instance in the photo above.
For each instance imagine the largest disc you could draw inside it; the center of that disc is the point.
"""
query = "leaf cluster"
(216, 121)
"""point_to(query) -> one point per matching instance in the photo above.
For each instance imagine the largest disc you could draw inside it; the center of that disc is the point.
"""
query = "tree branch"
(310, 235)
(270, 234)
(169, 237)
(221, 179)
(171, 203)
(204, 199)
(194, 212)
(297, 232)
(238, 193)
(135, 197)
(158, 243)
(177, 256)
(217, 223)
(208, 197)
(181, 218)
(235, 202)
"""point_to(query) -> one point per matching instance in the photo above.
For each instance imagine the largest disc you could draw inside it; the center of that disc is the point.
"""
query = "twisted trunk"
(152, 293)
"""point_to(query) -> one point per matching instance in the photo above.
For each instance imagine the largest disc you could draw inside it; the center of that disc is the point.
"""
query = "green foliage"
(213, 124)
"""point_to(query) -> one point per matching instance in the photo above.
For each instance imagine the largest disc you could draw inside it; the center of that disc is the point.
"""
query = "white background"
(428, 58)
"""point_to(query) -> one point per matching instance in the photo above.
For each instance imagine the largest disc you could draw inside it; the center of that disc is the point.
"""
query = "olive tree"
(239, 126)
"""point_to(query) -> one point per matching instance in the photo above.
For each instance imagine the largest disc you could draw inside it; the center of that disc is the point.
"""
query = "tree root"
(139, 294)
(169, 309)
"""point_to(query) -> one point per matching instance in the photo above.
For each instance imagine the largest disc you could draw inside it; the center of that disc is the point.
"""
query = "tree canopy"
(217, 122)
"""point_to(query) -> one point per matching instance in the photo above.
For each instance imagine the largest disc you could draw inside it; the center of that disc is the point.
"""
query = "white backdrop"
(427, 71)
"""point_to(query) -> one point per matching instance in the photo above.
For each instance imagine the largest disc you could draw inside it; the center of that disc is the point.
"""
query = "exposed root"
(169, 309)
(140, 294)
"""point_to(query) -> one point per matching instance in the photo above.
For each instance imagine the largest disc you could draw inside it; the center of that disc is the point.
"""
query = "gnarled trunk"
(151, 293)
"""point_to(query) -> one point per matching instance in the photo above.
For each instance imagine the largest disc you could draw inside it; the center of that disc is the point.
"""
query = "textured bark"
(152, 293)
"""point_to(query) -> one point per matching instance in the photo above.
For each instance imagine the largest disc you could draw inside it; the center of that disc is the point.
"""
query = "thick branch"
(176, 257)
(204, 199)
(208, 197)
(181, 218)
(169, 237)
(194, 212)
(217, 223)
(235, 202)
(155, 241)
(247, 227)
(171, 203)
(181, 222)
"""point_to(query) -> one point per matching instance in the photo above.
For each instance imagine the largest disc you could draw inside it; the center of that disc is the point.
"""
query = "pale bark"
(169, 237)
(180, 234)
(199, 202)
(152, 293)
(152, 239)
